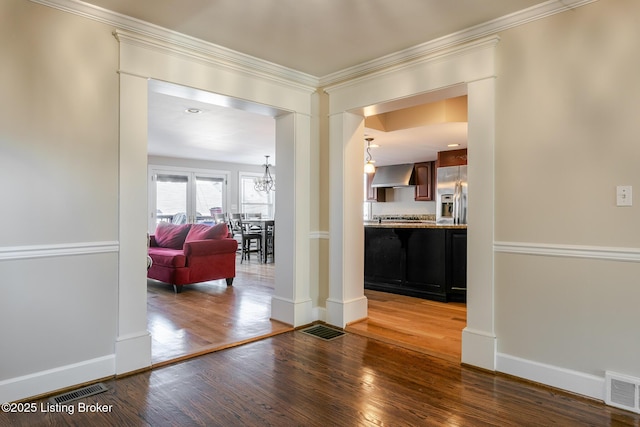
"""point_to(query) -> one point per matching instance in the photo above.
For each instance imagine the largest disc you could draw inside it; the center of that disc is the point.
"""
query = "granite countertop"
(411, 224)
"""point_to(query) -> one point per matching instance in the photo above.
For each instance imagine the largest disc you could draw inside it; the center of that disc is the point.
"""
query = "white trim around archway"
(143, 57)
(467, 68)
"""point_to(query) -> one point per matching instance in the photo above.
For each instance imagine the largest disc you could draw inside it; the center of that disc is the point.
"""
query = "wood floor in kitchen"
(430, 327)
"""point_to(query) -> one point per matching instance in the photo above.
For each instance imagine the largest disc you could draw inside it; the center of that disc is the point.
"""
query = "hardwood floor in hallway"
(294, 379)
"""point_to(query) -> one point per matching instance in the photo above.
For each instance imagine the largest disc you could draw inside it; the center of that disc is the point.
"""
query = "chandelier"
(266, 182)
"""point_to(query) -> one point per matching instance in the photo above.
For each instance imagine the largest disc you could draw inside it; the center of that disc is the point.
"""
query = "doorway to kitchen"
(415, 266)
(470, 66)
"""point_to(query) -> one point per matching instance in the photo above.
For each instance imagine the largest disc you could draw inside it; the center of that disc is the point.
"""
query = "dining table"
(264, 224)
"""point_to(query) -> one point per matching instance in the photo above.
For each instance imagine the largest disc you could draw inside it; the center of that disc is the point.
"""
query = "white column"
(479, 338)
(291, 302)
(346, 302)
(133, 343)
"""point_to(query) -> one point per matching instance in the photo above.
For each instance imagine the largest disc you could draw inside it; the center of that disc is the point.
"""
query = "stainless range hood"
(394, 176)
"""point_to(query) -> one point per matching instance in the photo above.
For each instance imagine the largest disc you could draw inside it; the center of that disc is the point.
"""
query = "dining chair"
(251, 241)
(254, 216)
(269, 244)
(233, 223)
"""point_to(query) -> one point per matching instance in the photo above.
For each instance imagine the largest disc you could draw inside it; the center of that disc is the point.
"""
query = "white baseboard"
(554, 376)
(479, 349)
(341, 313)
(55, 379)
(294, 313)
(133, 352)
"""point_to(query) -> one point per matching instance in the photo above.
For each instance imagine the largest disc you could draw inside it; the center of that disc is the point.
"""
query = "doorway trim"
(144, 57)
(466, 68)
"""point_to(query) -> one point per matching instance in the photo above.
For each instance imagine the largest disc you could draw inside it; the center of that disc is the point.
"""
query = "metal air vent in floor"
(323, 332)
(79, 393)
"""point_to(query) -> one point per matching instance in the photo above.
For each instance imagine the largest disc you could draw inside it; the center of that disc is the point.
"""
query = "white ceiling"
(224, 130)
(317, 37)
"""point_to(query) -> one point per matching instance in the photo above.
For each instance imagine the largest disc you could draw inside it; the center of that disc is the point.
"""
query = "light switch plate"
(624, 195)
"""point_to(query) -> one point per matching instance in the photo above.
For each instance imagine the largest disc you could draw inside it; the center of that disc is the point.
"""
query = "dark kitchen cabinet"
(384, 256)
(428, 263)
(457, 274)
(452, 158)
(426, 260)
(373, 194)
(425, 181)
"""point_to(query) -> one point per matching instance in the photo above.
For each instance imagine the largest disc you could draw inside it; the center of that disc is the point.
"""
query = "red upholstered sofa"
(192, 253)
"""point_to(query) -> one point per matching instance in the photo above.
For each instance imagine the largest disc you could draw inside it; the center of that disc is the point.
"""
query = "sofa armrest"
(210, 247)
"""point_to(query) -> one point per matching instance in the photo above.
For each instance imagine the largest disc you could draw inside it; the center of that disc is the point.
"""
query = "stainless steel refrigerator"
(451, 195)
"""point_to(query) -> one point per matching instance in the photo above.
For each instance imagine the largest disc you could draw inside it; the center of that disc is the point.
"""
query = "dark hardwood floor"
(293, 379)
(372, 376)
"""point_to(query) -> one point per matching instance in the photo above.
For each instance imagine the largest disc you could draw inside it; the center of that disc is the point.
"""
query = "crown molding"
(162, 37)
(436, 54)
(253, 65)
(430, 48)
(197, 52)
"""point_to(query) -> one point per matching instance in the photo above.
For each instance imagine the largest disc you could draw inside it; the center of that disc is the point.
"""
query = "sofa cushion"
(206, 232)
(167, 257)
(171, 235)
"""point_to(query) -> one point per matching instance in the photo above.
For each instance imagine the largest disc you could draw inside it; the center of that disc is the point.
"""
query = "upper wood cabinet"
(425, 181)
(452, 158)
(373, 194)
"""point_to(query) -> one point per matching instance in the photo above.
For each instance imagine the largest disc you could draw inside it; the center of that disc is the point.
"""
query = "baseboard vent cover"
(323, 332)
(79, 393)
(622, 391)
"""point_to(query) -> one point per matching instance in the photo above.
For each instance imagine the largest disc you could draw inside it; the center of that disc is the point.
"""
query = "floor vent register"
(78, 394)
(323, 332)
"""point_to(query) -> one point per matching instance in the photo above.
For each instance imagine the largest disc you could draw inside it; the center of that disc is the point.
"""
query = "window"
(185, 196)
(253, 201)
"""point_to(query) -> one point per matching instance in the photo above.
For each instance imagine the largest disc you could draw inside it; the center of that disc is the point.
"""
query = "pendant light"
(368, 167)
(266, 182)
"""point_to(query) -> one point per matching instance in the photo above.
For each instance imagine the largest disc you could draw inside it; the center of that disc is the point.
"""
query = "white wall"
(567, 287)
(59, 185)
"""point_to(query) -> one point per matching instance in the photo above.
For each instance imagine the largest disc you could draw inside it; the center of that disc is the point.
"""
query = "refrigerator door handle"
(456, 203)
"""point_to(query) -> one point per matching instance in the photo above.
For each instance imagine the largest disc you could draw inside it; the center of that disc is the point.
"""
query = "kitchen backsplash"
(401, 201)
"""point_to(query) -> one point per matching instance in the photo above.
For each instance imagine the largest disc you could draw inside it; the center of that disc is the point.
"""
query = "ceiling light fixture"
(266, 182)
(368, 167)
(453, 145)
(193, 111)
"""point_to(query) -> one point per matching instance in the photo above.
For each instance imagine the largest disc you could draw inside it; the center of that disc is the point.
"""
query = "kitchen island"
(416, 258)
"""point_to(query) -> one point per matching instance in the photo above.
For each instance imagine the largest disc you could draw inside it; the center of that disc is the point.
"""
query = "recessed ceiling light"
(453, 145)
(193, 111)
